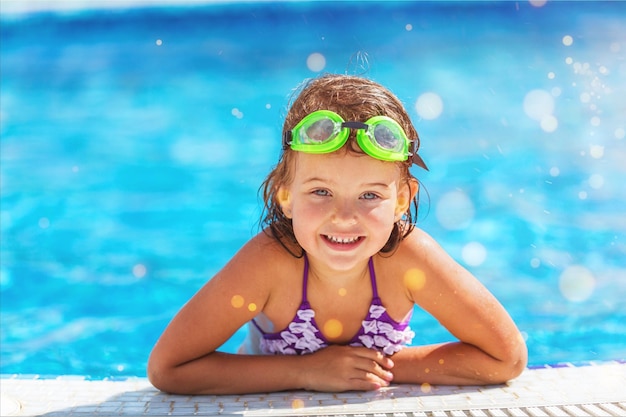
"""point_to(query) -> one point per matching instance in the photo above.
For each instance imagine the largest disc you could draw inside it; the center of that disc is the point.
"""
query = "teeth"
(335, 239)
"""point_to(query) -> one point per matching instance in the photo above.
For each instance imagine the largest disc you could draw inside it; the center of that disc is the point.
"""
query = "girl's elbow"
(160, 376)
(514, 362)
(519, 360)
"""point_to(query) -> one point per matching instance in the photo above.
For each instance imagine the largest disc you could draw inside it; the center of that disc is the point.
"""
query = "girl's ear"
(284, 199)
(407, 191)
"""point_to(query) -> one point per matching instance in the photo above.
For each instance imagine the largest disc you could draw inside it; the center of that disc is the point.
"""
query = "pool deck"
(563, 390)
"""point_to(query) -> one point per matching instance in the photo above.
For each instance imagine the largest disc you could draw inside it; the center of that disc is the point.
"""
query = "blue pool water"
(133, 142)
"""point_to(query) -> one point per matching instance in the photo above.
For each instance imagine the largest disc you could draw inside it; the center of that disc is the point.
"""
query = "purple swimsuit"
(378, 330)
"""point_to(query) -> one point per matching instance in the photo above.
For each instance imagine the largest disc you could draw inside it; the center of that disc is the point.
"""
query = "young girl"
(329, 285)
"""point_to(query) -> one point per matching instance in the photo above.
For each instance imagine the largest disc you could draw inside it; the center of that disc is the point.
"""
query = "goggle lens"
(387, 139)
(320, 131)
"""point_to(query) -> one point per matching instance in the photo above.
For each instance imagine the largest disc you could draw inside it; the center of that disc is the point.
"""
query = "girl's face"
(343, 206)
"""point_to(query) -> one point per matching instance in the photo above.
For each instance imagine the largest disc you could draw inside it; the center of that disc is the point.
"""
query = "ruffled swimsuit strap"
(305, 280)
(373, 279)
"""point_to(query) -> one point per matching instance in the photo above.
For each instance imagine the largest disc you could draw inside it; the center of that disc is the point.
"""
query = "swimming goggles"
(324, 131)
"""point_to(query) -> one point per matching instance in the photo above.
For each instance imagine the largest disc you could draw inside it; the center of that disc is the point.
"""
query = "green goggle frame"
(324, 131)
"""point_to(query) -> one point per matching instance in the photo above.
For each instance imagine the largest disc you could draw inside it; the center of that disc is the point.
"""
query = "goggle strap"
(417, 160)
(287, 135)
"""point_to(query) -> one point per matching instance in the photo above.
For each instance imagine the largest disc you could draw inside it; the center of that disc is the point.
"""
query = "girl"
(329, 286)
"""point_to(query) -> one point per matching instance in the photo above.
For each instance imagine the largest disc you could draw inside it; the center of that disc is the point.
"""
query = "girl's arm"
(185, 361)
(490, 349)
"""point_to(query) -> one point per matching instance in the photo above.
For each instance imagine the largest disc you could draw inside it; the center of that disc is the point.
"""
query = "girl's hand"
(346, 368)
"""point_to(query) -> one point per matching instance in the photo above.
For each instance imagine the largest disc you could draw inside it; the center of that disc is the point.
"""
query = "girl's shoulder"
(268, 248)
(263, 255)
(418, 245)
(418, 251)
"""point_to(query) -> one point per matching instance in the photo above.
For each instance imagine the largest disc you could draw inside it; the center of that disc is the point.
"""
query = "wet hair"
(354, 99)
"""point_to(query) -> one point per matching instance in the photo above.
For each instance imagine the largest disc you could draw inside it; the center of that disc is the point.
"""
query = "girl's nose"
(344, 213)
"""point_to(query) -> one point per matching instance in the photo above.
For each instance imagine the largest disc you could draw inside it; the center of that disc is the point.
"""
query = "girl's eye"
(321, 192)
(369, 196)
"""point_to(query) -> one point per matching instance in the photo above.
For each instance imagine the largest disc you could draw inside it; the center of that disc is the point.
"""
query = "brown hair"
(354, 99)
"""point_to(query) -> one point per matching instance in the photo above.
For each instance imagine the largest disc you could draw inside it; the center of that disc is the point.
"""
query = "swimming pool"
(133, 143)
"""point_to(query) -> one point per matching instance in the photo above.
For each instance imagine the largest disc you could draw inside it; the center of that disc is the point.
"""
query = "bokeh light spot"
(333, 328)
(44, 223)
(555, 171)
(568, 40)
(549, 123)
(237, 113)
(159, 42)
(596, 181)
(474, 253)
(538, 104)
(414, 279)
(342, 292)
(577, 283)
(620, 133)
(252, 307)
(429, 106)
(455, 210)
(297, 403)
(139, 271)
(441, 361)
(409, 27)
(585, 97)
(237, 301)
(595, 121)
(316, 62)
(5, 278)
(425, 387)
